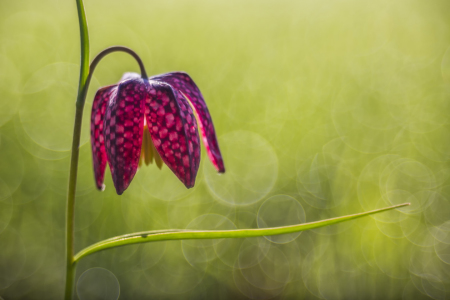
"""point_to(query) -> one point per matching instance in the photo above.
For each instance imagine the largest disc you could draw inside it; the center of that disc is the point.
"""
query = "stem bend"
(101, 55)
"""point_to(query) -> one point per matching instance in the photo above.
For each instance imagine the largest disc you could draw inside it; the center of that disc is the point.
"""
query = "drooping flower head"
(151, 119)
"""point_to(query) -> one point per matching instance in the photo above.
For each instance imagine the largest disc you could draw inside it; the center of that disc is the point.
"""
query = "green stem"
(70, 208)
(153, 236)
(84, 64)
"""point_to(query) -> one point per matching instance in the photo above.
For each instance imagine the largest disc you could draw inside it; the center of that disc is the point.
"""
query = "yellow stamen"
(158, 159)
(148, 151)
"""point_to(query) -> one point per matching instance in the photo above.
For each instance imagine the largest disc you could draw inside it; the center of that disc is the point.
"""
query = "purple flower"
(144, 119)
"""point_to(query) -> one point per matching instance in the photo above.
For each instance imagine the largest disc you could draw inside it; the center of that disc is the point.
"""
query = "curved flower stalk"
(140, 119)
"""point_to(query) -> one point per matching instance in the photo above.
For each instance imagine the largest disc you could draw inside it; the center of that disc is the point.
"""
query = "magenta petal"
(97, 140)
(183, 82)
(123, 128)
(173, 129)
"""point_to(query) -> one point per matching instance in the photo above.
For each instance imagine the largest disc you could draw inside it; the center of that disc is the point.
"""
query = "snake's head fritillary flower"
(141, 120)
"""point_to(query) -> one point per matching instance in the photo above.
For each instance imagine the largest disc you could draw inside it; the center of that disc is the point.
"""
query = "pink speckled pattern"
(183, 82)
(123, 127)
(164, 101)
(173, 129)
(97, 140)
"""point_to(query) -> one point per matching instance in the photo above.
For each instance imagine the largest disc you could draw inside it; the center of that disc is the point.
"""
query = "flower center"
(148, 151)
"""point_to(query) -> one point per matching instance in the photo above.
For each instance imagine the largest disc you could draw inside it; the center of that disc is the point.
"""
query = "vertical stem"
(84, 42)
(70, 208)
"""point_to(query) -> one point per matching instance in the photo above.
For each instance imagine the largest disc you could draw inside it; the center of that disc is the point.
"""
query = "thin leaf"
(182, 234)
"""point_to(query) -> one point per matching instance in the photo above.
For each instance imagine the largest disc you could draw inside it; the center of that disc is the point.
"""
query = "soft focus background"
(322, 108)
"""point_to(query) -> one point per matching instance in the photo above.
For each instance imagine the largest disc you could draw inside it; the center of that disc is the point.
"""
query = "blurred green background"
(322, 108)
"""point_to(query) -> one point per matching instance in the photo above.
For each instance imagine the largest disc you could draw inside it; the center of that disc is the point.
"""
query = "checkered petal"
(97, 140)
(123, 128)
(173, 129)
(183, 83)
